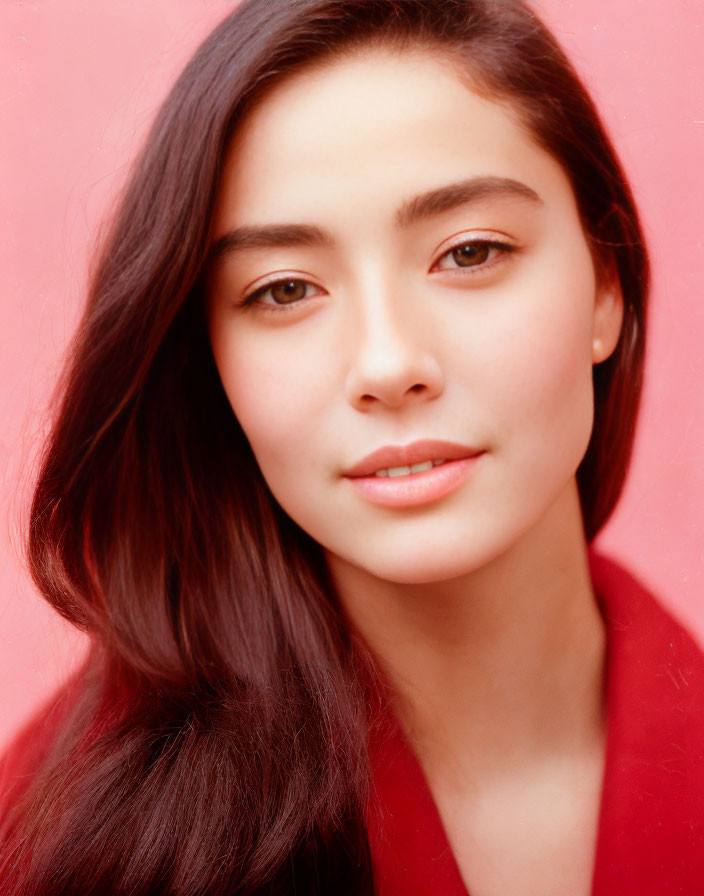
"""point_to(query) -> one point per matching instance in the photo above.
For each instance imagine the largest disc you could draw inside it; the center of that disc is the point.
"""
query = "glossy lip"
(407, 455)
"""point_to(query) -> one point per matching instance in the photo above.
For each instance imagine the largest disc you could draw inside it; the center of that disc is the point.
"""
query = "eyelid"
(253, 294)
(477, 238)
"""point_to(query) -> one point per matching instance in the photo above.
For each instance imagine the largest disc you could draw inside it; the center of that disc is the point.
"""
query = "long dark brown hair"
(218, 742)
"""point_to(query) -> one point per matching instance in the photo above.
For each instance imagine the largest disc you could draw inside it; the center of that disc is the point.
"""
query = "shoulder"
(647, 646)
(651, 836)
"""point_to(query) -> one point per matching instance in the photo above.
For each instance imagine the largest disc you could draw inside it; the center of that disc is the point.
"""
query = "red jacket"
(651, 827)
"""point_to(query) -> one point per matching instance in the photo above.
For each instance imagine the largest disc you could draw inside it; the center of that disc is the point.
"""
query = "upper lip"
(407, 455)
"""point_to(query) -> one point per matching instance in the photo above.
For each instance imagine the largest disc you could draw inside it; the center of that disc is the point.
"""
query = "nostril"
(414, 379)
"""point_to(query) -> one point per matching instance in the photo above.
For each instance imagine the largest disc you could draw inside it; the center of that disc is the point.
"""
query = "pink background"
(80, 82)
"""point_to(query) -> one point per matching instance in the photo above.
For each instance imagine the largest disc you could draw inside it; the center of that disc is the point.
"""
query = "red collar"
(651, 826)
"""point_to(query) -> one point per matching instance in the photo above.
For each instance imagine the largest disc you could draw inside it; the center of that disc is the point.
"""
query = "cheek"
(552, 395)
(274, 392)
(540, 363)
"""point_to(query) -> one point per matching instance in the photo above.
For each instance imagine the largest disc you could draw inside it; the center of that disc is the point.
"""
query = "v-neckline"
(649, 817)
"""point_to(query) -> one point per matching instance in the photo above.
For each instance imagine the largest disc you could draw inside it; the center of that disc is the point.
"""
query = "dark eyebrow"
(268, 236)
(434, 202)
(444, 199)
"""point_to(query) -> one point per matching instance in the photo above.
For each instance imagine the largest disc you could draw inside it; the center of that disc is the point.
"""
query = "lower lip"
(417, 488)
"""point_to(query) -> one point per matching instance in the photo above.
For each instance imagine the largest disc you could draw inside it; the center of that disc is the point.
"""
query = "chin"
(417, 557)
(430, 573)
(434, 563)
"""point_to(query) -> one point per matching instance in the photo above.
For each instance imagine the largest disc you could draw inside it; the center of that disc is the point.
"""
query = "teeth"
(407, 471)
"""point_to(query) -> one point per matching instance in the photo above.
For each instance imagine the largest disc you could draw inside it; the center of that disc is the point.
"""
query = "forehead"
(394, 121)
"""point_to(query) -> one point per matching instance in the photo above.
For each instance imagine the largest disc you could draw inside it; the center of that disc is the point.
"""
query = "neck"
(500, 667)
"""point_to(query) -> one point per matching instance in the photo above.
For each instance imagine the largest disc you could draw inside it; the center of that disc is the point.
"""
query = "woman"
(355, 387)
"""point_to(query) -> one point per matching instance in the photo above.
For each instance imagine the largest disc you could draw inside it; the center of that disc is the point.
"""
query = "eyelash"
(254, 297)
(499, 245)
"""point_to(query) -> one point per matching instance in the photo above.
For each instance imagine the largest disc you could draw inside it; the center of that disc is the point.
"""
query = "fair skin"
(476, 600)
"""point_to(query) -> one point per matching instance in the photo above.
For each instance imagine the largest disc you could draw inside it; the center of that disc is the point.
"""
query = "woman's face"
(400, 269)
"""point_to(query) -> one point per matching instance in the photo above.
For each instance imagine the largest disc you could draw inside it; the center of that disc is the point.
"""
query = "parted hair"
(215, 742)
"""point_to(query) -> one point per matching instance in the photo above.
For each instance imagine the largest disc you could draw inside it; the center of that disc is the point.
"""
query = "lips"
(408, 455)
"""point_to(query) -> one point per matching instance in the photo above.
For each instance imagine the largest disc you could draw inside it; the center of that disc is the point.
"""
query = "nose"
(391, 362)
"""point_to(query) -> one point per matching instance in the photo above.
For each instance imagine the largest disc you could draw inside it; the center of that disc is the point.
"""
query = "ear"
(608, 316)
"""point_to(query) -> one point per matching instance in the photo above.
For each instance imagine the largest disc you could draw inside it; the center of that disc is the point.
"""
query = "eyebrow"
(444, 199)
(426, 205)
(269, 236)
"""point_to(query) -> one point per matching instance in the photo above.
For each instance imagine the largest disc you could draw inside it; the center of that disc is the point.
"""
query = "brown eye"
(287, 291)
(279, 294)
(470, 254)
(479, 254)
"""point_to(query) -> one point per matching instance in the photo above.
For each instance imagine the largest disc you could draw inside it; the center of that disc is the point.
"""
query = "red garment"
(651, 826)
